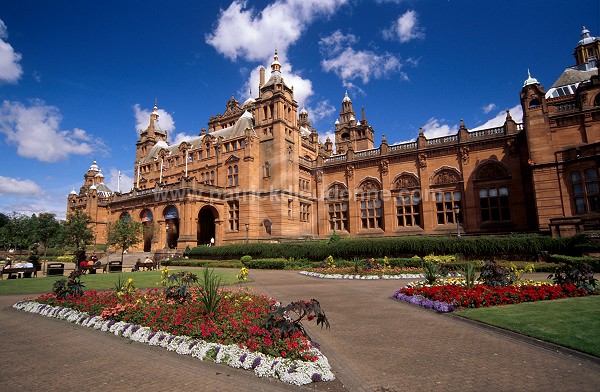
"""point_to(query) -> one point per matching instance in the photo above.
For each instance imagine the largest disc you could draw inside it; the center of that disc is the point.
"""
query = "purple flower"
(151, 335)
(243, 357)
(192, 344)
(316, 377)
(256, 362)
(425, 302)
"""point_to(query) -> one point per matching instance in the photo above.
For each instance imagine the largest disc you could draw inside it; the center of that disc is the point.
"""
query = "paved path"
(375, 344)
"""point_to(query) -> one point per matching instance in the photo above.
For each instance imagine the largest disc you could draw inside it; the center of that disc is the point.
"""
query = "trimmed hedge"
(202, 263)
(276, 264)
(594, 262)
(521, 245)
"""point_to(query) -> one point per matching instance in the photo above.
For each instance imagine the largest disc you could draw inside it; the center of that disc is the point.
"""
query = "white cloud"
(329, 134)
(125, 184)
(516, 112)
(323, 110)
(488, 108)
(405, 28)
(182, 137)
(35, 131)
(349, 64)
(436, 128)
(142, 119)
(10, 69)
(14, 186)
(363, 65)
(253, 35)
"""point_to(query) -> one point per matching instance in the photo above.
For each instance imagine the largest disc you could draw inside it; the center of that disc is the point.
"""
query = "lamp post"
(167, 236)
(247, 227)
(456, 210)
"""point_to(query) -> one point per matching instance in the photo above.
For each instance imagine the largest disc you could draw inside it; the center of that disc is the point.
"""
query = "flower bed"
(448, 297)
(361, 273)
(234, 335)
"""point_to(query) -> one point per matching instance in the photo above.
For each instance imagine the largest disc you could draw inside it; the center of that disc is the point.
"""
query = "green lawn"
(571, 322)
(100, 281)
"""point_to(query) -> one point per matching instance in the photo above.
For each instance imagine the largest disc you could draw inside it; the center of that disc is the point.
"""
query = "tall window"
(494, 205)
(444, 206)
(586, 191)
(232, 175)
(290, 204)
(304, 212)
(408, 210)
(337, 206)
(371, 216)
(234, 215)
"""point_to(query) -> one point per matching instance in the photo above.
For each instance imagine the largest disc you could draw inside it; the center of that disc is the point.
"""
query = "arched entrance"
(148, 221)
(171, 226)
(206, 225)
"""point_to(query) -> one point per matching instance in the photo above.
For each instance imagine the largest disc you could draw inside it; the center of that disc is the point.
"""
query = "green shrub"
(245, 259)
(267, 264)
(202, 263)
(594, 262)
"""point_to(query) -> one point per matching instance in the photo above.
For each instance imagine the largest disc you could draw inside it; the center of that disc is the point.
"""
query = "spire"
(346, 98)
(275, 65)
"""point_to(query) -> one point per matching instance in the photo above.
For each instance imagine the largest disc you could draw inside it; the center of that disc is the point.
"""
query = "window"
(494, 206)
(371, 216)
(338, 216)
(232, 175)
(337, 205)
(234, 215)
(586, 191)
(304, 212)
(370, 213)
(290, 201)
(408, 210)
(444, 206)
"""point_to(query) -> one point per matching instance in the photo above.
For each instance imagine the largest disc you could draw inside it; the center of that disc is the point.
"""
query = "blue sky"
(79, 79)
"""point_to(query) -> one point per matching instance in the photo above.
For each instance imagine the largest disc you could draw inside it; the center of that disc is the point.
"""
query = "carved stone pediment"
(446, 176)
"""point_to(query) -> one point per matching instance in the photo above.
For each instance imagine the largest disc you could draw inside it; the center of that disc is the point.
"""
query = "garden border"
(295, 372)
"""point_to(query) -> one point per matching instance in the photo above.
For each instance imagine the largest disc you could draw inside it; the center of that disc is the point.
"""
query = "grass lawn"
(570, 322)
(108, 281)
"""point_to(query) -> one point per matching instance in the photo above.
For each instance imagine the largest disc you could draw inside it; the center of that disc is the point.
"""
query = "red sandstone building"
(259, 172)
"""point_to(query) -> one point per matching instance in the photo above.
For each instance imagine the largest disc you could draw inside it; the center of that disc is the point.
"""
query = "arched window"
(492, 181)
(407, 193)
(371, 206)
(337, 207)
(448, 196)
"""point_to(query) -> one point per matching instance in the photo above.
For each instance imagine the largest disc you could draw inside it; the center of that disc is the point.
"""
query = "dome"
(73, 192)
(530, 80)
(93, 187)
(249, 101)
(586, 38)
(93, 167)
(303, 111)
(337, 122)
(99, 175)
(346, 98)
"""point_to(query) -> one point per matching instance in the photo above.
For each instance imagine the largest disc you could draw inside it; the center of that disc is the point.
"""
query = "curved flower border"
(362, 277)
(291, 371)
(420, 300)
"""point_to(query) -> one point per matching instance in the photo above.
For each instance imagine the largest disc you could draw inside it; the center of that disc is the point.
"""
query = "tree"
(16, 232)
(124, 233)
(76, 231)
(45, 230)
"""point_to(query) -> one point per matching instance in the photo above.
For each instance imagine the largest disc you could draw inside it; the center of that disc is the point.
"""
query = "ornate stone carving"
(422, 160)
(464, 154)
(337, 191)
(369, 186)
(491, 171)
(383, 167)
(406, 181)
(350, 171)
(319, 176)
(446, 176)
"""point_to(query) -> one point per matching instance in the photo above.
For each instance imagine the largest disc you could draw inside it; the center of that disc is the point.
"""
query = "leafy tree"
(16, 233)
(76, 231)
(45, 230)
(124, 233)
(3, 219)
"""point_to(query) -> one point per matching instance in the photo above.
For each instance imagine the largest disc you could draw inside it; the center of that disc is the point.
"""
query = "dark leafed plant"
(288, 319)
(495, 275)
(178, 285)
(71, 286)
(581, 275)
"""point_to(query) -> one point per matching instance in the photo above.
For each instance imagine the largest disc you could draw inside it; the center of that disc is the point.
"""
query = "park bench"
(55, 269)
(24, 272)
(92, 268)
